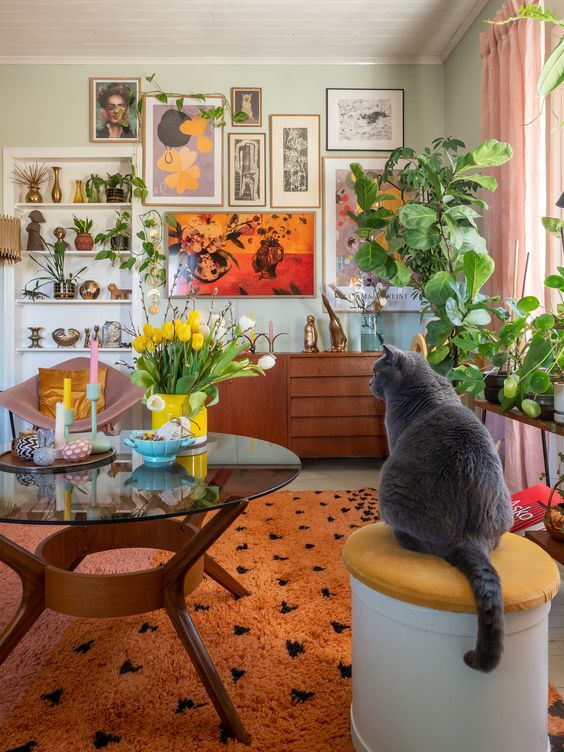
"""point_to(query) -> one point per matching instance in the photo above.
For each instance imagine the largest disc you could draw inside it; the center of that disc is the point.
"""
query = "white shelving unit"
(19, 360)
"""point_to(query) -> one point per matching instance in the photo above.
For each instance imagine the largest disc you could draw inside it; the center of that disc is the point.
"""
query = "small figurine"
(59, 233)
(96, 331)
(338, 339)
(89, 290)
(310, 336)
(34, 239)
(118, 293)
(66, 338)
(87, 337)
(35, 337)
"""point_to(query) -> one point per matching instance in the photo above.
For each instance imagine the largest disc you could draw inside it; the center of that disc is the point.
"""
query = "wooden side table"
(552, 546)
(545, 426)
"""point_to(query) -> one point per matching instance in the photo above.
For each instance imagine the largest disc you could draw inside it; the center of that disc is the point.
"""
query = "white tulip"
(266, 362)
(246, 323)
(205, 330)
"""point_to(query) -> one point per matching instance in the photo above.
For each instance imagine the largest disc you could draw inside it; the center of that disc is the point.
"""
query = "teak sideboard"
(317, 405)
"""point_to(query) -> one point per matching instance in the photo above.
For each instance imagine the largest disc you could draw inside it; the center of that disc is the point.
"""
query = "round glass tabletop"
(226, 469)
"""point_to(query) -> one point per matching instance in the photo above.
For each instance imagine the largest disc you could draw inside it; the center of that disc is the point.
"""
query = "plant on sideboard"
(432, 243)
(83, 240)
(53, 266)
(115, 238)
(93, 189)
(118, 188)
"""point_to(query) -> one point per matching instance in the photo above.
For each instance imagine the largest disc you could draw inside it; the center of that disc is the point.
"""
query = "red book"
(529, 506)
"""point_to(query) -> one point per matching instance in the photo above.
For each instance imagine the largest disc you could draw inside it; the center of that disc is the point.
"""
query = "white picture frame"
(247, 165)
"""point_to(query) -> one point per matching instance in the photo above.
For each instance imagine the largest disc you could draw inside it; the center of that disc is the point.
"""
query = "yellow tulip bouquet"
(192, 354)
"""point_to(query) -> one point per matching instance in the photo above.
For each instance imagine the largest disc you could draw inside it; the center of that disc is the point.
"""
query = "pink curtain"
(512, 57)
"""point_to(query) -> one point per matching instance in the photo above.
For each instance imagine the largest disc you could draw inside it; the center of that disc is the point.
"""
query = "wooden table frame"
(49, 581)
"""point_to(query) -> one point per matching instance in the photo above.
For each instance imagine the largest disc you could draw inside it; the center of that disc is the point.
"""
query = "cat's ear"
(390, 355)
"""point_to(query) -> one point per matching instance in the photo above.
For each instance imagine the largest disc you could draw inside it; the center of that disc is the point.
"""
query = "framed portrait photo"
(364, 119)
(113, 109)
(247, 161)
(294, 161)
(237, 254)
(340, 242)
(247, 100)
(182, 153)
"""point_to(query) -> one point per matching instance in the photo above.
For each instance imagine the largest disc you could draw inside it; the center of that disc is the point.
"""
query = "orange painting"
(232, 254)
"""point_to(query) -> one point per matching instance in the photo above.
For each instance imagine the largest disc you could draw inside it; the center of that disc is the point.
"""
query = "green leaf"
(473, 241)
(531, 408)
(554, 281)
(528, 304)
(402, 277)
(366, 190)
(553, 225)
(454, 232)
(162, 97)
(462, 212)
(421, 239)
(439, 288)
(539, 382)
(552, 73)
(478, 268)
(141, 378)
(545, 321)
(470, 379)
(417, 216)
(490, 153)
(438, 355)
(486, 181)
(453, 312)
(477, 317)
(370, 256)
(179, 103)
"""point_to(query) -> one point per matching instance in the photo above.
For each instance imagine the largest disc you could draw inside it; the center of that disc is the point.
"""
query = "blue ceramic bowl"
(157, 452)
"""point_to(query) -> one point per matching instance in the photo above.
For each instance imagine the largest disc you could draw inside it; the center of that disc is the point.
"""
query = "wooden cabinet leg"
(31, 571)
(222, 576)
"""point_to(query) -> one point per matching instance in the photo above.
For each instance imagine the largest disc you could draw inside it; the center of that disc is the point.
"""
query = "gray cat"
(442, 489)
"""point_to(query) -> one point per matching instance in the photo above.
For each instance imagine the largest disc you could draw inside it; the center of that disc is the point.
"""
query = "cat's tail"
(475, 565)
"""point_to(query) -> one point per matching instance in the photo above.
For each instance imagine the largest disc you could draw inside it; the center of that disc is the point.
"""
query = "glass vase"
(371, 327)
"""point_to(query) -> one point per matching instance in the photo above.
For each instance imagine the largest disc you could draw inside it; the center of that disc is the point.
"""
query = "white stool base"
(412, 691)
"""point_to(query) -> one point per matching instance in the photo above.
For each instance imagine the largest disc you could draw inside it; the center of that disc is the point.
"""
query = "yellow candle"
(252, 332)
(67, 388)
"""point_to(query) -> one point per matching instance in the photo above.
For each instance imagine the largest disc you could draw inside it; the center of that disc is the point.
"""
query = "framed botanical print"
(364, 119)
(182, 153)
(235, 254)
(113, 109)
(247, 182)
(249, 101)
(294, 161)
(340, 243)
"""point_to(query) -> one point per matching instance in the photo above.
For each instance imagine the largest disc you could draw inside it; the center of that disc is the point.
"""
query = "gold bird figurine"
(338, 339)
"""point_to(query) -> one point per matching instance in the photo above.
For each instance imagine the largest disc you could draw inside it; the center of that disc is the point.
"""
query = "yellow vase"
(195, 464)
(175, 407)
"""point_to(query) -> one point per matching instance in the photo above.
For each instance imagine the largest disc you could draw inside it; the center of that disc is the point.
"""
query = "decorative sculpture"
(338, 338)
(87, 337)
(118, 293)
(310, 336)
(111, 334)
(96, 332)
(59, 233)
(66, 338)
(89, 290)
(34, 241)
(35, 336)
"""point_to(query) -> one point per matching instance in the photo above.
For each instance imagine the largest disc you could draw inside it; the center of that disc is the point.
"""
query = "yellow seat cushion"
(50, 391)
(529, 577)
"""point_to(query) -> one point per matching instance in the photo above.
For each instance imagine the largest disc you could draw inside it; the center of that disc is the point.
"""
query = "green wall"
(48, 106)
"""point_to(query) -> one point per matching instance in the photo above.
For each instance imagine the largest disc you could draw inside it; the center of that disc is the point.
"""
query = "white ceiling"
(228, 31)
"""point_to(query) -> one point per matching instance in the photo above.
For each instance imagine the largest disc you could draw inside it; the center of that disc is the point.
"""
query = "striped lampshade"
(10, 231)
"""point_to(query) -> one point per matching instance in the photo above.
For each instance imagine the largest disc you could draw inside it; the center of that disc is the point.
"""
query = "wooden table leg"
(223, 578)
(31, 571)
(175, 605)
(545, 458)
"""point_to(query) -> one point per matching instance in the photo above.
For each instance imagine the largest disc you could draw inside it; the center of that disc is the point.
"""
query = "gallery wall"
(48, 106)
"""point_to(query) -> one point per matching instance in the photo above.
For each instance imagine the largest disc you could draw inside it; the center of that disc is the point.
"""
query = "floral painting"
(232, 254)
(182, 155)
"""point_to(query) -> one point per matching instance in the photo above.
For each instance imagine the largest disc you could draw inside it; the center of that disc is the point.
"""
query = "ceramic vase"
(559, 402)
(56, 193)
(174, 408)
(78, 193)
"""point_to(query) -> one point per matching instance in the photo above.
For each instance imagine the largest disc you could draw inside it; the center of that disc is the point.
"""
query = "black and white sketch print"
(246, 169)
(364, 119)
(295, 160)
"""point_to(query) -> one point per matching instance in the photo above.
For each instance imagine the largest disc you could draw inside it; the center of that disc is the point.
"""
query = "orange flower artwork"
(196, 127)
(184, 173)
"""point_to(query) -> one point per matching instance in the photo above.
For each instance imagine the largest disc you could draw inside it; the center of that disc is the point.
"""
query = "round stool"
(413, 618)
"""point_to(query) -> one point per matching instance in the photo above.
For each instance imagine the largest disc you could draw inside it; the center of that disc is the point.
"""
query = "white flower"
(246, 323)
(155, 403)
(205, 330)
(266, 362)
(153, 234)
(220, 333)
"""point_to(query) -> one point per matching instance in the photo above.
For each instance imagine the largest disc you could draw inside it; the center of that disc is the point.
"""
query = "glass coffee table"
(128, 504)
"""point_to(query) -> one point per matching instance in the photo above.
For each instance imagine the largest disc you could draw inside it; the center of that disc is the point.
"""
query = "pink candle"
(270, 330)
(94, 361)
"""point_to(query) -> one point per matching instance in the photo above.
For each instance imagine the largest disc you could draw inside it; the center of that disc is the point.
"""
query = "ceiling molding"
(459, 34)
(27, 60)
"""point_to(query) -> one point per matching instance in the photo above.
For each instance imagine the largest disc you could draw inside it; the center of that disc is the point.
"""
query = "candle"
(60, 425)
(270, 330)
(94, 361)
(67, 390)
(252, 332)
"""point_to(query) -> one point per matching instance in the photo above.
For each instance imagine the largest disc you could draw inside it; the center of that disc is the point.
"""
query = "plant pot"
(546, 402)
(119, 243)
(64, 291)
(559, 402)
(115, 196)
(175, 405)
(493, 383)
(84, 241)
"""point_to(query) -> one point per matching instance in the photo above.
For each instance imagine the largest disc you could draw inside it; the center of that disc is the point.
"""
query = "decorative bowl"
(157, 452)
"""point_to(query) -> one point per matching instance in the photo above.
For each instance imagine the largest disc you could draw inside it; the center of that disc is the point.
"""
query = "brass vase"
(56, 193)
(33, 195)
(78, 193)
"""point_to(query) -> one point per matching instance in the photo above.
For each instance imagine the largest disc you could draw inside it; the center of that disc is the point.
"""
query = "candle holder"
(69, 420)
(99, 443)
(271, 339)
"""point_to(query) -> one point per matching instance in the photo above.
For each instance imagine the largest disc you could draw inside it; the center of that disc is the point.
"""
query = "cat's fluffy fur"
(442, 489)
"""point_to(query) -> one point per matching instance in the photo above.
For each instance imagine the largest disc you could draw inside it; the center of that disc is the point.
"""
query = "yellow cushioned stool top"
(529, 577)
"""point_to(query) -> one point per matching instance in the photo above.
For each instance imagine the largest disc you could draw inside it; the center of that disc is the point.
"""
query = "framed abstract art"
(364, 119)
(235, 254)
(294, 161)
(247, 182)
(182, 153)
(340, 243)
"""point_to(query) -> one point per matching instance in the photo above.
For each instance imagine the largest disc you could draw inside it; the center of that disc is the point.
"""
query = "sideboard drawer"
(302, 407)
(365, 426)
(329, 386)
(340, 446)
(332, 365)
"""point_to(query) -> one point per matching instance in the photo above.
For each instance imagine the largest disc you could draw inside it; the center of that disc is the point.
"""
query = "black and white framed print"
(248, 100)
(247, 183)
(294, 161)
(364, 119)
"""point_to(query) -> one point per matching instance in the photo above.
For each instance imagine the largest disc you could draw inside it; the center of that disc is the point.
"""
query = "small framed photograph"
(294, 161)
(113, 109)
(249, 101)
(364, 119)
(247, 183)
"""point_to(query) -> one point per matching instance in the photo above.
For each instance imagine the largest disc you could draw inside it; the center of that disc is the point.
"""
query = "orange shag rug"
(126, 685)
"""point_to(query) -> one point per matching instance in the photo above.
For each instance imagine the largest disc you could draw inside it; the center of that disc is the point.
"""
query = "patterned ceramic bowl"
(157, 452)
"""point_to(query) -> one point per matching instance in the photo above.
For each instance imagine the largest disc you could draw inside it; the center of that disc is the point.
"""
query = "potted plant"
(93, 188)
(118, 188)
(53, 266)
(83, 240)
(116, 238)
